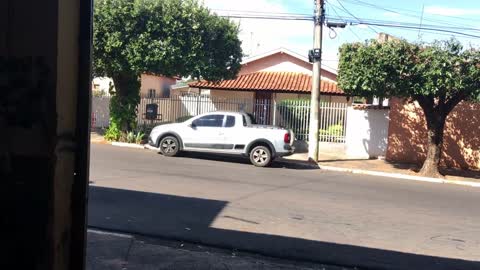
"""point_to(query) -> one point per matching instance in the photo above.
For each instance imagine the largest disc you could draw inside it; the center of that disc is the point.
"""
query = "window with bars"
(152, 93)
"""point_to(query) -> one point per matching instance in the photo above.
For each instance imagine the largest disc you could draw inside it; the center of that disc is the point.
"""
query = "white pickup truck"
(224, 133)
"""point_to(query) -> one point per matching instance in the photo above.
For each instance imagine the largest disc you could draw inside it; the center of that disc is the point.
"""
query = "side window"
(230, 121)
(213, 120)
(252, 118)
(247, 120)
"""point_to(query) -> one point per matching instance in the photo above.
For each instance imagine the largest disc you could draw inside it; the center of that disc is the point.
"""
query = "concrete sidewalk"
(382, 166)
(97, 137)
(120, 251)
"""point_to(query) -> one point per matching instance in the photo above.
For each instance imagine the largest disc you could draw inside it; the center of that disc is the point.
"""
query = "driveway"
(308, 214)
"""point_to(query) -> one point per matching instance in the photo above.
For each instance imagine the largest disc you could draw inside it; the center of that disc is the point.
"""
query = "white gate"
(332, 122)
(295, 114)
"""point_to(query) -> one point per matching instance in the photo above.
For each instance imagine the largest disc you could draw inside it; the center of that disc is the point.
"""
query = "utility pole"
(315, 55)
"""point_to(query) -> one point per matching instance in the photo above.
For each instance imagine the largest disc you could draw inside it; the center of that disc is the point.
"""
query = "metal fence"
(178, 108)
(293, 114)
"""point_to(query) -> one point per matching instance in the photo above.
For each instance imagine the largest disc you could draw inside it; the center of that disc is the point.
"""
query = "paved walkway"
(120, 251)
(96, 137)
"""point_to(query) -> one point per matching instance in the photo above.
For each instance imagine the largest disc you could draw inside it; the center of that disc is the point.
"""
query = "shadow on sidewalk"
(190, 219)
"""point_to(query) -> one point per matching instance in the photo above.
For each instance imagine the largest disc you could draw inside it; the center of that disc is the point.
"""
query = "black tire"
(169, 146)
(261, 156)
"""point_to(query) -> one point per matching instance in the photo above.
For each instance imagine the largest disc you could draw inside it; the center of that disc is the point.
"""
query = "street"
(329, 217)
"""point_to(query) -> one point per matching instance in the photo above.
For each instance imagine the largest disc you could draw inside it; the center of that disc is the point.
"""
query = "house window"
(151, 93)
(96, 86)
(165, 90)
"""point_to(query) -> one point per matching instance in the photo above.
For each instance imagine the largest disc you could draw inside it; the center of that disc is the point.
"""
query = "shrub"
(98, 93)
(112, 133)
(139, 138)
(123, 111)
(130, 138)
(332, 132)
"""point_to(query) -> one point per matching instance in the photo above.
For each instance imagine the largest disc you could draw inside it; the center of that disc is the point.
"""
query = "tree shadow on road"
(190, 219)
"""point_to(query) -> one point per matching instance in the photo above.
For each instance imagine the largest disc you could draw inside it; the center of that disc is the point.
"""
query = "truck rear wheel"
(261, 156)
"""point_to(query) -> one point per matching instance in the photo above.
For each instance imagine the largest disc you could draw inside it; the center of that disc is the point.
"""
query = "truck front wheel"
(169, 146)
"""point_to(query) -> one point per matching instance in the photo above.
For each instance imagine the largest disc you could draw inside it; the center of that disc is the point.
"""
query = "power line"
(285, 18)
(343, 18)
(262, 12)
(344, 8)
(298, 16)
(353, 32)
(409, 24)
(431, 32)
(424, 28)
(421, 20)
(410, 13)
(368, 22)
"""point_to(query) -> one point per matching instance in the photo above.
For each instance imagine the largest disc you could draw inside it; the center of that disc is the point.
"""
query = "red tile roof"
(271, 81)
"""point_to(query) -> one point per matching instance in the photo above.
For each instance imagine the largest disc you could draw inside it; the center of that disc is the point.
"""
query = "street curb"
(102, 232)
(149, 147)
(401, 176)
(129, 145)
(298, 163)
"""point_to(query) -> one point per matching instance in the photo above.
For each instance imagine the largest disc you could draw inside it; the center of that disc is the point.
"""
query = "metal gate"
(332, 122)
(295, 114)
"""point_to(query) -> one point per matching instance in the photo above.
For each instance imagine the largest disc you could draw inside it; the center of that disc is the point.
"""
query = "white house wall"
(367, 133)
(103, 84)
(287, 66)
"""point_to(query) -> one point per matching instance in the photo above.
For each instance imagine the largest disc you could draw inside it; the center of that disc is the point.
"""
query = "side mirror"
(192, 125)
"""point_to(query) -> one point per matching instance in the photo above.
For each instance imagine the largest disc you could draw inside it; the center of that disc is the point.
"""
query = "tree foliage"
(167, 37)
(438, 76)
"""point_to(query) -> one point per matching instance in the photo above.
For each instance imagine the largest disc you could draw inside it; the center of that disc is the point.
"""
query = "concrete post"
(316, 80)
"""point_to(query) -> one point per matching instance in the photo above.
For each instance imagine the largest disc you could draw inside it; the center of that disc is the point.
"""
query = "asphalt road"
(339, 218)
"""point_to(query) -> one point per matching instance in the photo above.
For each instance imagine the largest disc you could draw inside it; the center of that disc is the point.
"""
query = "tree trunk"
(127, 89)
(435, 126)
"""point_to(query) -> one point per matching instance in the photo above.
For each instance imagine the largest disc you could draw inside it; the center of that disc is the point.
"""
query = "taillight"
(286, 138)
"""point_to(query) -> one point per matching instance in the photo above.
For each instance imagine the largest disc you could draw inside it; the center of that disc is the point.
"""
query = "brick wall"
(407, 138)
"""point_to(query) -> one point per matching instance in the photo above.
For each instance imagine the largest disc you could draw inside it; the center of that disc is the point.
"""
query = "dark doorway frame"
(263, 107)
(82, 156)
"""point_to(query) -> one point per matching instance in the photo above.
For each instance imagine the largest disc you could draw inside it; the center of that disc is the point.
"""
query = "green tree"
(168, 37)
(438, 76)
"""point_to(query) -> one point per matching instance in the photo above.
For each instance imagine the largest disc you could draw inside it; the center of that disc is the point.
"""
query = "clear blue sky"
(260, 35)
